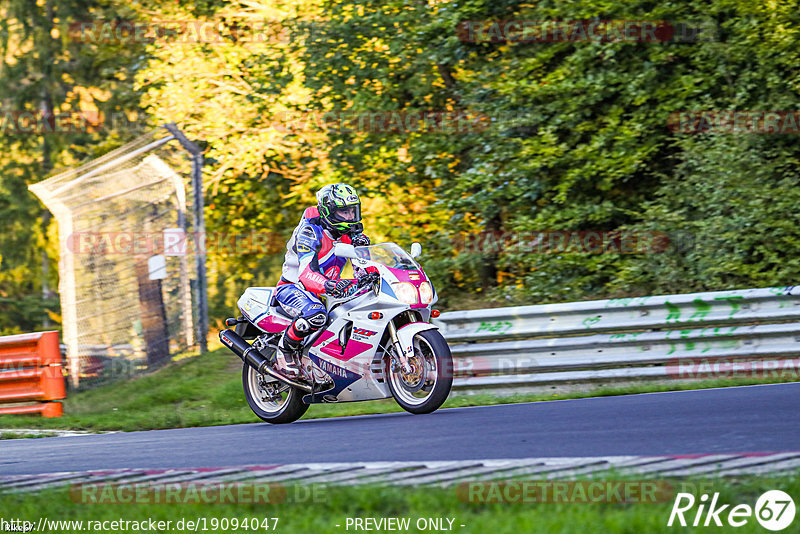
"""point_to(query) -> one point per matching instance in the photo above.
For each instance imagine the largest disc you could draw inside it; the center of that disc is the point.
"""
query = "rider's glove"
(340, 288)
(359, 240)
(369, 275)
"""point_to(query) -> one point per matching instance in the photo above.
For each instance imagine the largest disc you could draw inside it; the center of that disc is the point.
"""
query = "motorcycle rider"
(310, 268)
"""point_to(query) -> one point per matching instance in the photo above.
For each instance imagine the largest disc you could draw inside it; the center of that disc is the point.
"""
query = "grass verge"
(207, 390)
(26, 435)
(327, 509)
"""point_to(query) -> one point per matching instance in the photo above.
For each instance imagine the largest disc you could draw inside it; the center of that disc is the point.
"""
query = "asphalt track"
(729, 420)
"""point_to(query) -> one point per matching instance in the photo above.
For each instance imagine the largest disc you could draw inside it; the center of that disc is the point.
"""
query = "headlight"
(425, 293)
(405, 292)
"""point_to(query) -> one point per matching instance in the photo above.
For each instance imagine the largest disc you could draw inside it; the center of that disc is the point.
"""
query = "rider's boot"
(288, 355)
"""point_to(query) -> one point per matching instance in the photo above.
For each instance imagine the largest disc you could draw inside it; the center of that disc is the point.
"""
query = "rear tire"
(427, 393)
(272, 400)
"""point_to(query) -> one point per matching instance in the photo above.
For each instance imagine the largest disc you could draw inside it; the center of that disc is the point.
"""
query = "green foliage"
(45, 70)
(574, 136)
(730, 207)
(232, 96)
(577, 139)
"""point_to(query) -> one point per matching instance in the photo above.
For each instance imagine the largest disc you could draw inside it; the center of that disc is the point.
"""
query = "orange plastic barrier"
(30, 370)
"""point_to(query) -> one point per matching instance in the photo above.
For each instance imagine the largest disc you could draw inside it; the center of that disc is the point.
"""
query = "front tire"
(426, 388)
(272, 400)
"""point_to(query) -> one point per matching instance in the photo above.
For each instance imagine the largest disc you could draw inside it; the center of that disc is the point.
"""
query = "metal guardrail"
(742, 333)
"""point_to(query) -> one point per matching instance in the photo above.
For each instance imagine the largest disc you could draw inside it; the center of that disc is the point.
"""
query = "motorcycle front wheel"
(426, 387)
(271, 400)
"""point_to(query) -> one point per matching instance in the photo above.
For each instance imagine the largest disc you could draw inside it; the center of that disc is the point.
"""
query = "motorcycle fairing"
(254, 302)
(406, 333)
(342, 378)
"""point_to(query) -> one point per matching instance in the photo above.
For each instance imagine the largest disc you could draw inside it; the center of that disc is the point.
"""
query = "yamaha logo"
(332, 369)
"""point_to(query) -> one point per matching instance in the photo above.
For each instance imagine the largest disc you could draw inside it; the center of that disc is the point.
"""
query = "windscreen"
(389, 254)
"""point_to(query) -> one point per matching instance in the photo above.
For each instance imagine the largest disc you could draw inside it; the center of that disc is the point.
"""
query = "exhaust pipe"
(252, 357)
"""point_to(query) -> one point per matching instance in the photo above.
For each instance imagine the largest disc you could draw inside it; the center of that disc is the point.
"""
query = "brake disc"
(417, 375)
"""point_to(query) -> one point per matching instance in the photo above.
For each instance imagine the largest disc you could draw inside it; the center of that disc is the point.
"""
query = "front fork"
(402, 357)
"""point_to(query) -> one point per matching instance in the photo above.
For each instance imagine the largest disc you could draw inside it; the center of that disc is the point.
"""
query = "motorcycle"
(377, 343)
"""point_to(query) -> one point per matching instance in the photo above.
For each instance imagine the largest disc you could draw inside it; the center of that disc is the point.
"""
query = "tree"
(62, 101)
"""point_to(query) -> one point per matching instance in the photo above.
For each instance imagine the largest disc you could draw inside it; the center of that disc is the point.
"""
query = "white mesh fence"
(126, 305)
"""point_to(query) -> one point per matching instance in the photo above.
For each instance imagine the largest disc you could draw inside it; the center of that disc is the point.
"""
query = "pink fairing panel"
(354, 348)
(273, 324)
(415, 277)
(323, 337)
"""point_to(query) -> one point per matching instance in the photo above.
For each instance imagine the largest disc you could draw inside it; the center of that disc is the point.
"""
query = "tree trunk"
(46, 108)
(488, 271)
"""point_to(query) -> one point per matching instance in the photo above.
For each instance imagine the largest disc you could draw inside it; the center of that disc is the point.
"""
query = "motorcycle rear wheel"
(426, 388)
(270, 399)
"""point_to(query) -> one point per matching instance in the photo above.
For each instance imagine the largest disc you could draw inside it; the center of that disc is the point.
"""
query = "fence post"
(200, 231)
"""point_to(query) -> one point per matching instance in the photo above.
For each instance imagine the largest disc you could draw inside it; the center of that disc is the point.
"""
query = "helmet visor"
(347, 214)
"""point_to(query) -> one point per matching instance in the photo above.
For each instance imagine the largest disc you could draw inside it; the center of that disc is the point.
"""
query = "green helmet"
(340, 208)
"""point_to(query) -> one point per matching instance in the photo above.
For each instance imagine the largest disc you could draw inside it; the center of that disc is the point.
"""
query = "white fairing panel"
(406, 334)
(254, 302)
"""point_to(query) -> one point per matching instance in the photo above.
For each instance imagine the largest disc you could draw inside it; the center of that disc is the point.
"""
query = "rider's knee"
(317, 319)
(315, 314)
(310, 322)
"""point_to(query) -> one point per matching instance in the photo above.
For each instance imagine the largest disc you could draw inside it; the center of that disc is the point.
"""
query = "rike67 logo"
(774, 510)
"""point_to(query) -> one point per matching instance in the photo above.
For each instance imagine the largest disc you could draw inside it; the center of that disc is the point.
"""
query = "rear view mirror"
(344, 250)
(416, 249)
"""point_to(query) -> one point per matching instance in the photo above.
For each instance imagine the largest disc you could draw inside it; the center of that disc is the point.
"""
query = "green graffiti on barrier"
(591, 321)
(702, 308)
(734, 301)
(628, 335)
(781, 291)
(500, 326)
(674, 312)
(785, 291)
(703, 339)
(627, 301)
